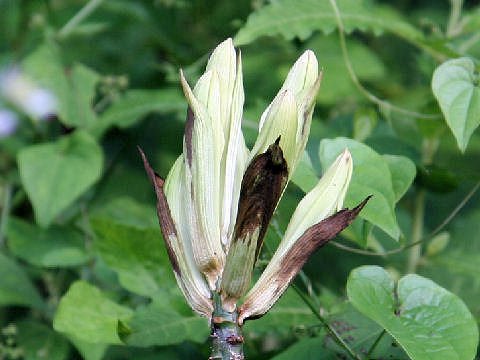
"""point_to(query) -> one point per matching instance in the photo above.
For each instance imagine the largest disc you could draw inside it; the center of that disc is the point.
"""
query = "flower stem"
(227, 339)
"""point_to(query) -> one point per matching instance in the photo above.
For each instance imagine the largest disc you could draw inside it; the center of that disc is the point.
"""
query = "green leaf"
(289, 312)
(307, 349)
(57, 246)
(371, 176)
(55, 174)
(365, 62)
(127, 211)
(45, 68)
(83, 82)
(160, 324)
(137, 255)
(428, 321)
(89, 315)
(300, 18)
(88, 350)
(460, 261)
(15, 286)
(360, 333)
(74, 93)
(135, 104)
(357, 330)
(456, 87)
(364, 123)
(403, 173)
(39, 342)
(305, 176)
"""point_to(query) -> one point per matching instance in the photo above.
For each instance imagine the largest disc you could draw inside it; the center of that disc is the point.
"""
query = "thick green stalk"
(227, 339)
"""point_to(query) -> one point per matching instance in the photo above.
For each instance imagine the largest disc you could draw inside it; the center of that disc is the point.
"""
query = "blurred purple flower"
(8, 123)
(35, 101)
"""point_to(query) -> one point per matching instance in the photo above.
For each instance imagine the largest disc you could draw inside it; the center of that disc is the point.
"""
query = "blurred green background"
(82, 83)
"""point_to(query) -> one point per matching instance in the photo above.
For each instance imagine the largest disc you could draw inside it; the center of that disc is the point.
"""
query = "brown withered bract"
(188, 134)
(315, 237)
(262, 186)
(312, 239)
(163, 210)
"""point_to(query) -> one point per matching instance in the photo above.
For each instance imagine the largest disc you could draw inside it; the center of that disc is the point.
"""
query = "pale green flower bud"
(214, 210)
(263, 182)
(173, 199)
(302, 84)
(215, 157)
(202, 177)
(280, 121)
(325, 199)
(262, 187)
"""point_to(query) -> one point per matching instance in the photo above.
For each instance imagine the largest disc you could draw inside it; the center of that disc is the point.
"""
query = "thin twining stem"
(425, 238)
(78, 18)
(308, 301)
(356, 81)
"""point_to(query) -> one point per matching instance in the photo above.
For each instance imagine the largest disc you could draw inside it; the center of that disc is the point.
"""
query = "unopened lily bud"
(313, 224)
(262, 186)
(303, 82)
(202, 173)
(280, 121)
(178, 237)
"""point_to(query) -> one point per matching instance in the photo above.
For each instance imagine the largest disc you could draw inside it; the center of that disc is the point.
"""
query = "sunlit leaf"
(301, 18)
(371, 176)
(89, 315)
(403, 172)
(456, 87)
(428, 321)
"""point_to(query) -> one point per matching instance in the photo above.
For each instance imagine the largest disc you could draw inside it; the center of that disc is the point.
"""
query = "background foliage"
(83, 270)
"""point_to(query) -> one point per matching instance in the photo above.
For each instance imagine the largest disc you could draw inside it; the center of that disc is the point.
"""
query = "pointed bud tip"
(346, 155)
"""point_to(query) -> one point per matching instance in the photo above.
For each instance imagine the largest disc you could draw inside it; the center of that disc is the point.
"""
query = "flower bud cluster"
(218, 199)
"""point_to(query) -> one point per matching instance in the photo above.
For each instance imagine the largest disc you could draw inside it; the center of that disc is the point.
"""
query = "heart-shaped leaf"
(137, 255)
(16, 287)
(56, 246)
(88, 314)
(372, 175)
(74, 91)
(55, 174)
(159, 323)
(428, 321)
(456, 87)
